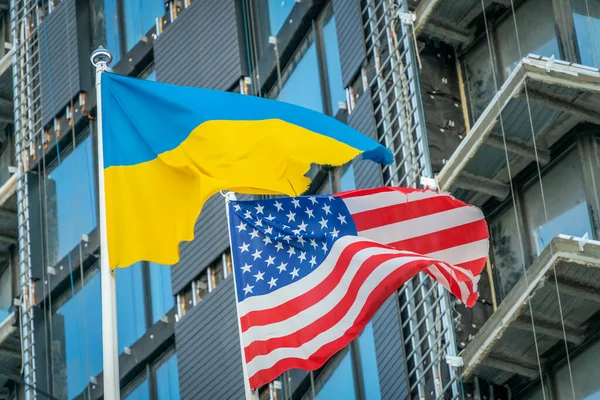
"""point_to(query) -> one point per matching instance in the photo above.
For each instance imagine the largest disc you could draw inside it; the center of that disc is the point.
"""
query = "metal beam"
(7, 327)
(7, 238)
(8, 189)
(423, 13)
(519, 147)
(551, 329)
(564, 105)
(484, 185)
(7, 213)
(511, 366)
(10, 353)
(441, 30)
(580, 291)
(6, 61)
(478, 134)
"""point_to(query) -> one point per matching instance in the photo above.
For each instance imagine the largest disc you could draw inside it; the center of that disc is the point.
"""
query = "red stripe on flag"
(332, 317)
(368, 192)
(403, 212)
(445, 239)
(310, 298)
(377, 297)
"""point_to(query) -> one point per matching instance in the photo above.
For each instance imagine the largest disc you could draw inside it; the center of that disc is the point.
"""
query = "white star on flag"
(254, 234)
(309, 212)
(244, 247)
(272, 282)
(248, 289)
(282, 266)
(323, 223)
(278, 206)
(291, 217)
(241, 227)
(294, 273)
(302, 256)
(342, 219)
(259, 209)
(259, 276)
(270, 260)
(257, 254)
(296, 203)
(246, 267)
(327, 209)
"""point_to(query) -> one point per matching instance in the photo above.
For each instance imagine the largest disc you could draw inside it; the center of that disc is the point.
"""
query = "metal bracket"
(127, 351)
(429, 183)
(93, 380)
(550, 63)
(12, 169)
(455, 361)
(85, 238)
(52, 271)
(273, 40)
(582, 241)
(164, 319)
(407, 18)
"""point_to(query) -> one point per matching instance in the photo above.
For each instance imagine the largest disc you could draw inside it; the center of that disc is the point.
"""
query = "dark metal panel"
(210, 328)
(64, 43)
(212, 239)
(350, 37)
(201, 47)
(389, 352)
(367, 174)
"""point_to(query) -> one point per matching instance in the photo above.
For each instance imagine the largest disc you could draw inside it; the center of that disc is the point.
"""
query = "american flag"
(311, 271)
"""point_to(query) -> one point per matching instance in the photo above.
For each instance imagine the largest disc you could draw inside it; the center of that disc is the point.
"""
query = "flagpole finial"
(100, 56)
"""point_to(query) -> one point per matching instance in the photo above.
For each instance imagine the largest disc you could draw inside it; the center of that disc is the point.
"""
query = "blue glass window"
(566, 206)
(160, 288)
(140, 16)
(151, 76)
(334, 67)
(141, 392)
(368, 360)
(71, 201)
(77, 340)
(537, 35)
(278, 13)
(347, 181)
(586, 16)
(167, 380)
(131, 318)
(339, 384)
(111, 22)
(302, 86)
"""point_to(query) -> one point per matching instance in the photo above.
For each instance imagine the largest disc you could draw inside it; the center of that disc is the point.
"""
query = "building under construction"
(494, 101)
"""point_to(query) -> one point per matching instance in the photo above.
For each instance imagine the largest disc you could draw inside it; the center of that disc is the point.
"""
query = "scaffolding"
(391, 78)
(25, 19)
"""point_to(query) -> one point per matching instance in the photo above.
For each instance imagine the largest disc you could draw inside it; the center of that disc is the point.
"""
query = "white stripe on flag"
(320, 309)
(384, 199)
(463, 253)
(305, 350)
(422, 226)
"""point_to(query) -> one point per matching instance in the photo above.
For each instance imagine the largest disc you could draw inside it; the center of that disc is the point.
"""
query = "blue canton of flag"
(279, 241)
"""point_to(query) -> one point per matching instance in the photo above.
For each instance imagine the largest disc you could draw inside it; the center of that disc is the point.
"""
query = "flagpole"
(250, 395)
(100, 59)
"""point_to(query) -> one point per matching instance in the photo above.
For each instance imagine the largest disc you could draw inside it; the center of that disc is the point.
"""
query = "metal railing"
(391, 78)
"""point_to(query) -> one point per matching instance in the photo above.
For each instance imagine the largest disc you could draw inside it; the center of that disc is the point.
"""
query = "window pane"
(508, 258)
(535, 20)
(585, 369)
(167, 381)
(142, 392)
(347, 181)
(586, 16)
(71, 201)
(217, 273)
(202, 286)
(77, 340)
(303, 87)
(339, 383)
(131, 321)
(6, 294)
(140, 17)
(113, 39)
(480, 78)
(565, 202)
(160, 287)
(368, 360)
(334, 68)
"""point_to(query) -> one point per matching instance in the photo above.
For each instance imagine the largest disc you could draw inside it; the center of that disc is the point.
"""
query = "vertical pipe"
(100, 59)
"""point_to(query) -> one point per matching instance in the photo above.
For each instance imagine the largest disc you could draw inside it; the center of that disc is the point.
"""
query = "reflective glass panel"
(368, 360)
(347, 181)
(332, 59)
(537, 35)
(140, 16)
(111, 21)
(339, 382)
(302, 87)
(584, 368)
(6, 293)
(586, 16)
(131, 318)
(160, 287)
(566, 205)
(167, 380)
(216, 273)
(77, 339)
(70, 201)
(202, 286)
(141, 392)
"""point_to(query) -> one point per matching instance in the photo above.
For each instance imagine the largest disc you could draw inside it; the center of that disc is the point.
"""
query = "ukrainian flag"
(167, 149)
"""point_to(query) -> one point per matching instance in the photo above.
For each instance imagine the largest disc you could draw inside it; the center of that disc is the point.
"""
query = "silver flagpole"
(250, 395)
(100, 59)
